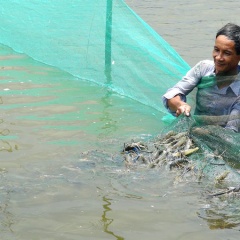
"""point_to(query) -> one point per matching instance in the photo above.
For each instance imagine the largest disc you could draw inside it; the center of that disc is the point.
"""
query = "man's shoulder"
(207, 63)
(204, 68)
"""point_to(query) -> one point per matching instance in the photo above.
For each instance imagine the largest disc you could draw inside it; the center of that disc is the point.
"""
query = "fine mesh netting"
(103, 41)
(195, 151)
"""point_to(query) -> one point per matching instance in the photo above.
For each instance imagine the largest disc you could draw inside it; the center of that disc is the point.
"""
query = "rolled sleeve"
(183, 87)
(165, 99)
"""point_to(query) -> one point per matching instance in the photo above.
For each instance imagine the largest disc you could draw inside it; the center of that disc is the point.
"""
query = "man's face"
(224, 55)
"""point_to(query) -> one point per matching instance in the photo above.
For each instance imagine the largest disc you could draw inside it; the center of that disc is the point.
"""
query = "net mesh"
(103, 41)
(198, 151)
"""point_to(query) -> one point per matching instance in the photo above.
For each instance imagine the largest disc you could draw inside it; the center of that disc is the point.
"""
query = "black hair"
(232, 32)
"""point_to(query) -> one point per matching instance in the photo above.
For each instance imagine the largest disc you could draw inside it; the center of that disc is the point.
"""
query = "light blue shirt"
(210, 100)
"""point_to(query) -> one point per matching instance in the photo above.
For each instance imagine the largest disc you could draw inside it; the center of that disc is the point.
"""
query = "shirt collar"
(235, 86)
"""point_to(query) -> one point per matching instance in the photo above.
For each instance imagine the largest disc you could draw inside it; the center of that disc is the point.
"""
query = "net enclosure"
(102, 41)
(105, 42)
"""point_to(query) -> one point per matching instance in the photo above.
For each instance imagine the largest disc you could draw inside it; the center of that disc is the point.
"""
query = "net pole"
(108, 42)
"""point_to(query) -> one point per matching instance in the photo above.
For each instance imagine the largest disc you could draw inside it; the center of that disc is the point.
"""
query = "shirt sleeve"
(234, 118)
(185, 86)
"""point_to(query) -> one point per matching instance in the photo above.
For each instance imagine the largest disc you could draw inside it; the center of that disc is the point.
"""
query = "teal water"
(62, 175)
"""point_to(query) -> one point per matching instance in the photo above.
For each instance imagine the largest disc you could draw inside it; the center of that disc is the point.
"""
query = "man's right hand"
(176, 104)
(183, 109)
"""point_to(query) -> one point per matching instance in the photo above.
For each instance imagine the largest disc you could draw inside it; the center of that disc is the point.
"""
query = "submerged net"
(195, 151)
(105, 42)
(102, 41)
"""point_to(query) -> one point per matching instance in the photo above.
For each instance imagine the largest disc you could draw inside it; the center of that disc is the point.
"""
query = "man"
(218, 82)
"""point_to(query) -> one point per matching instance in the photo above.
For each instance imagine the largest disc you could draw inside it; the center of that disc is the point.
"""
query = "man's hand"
(177, 105)
(183, 109)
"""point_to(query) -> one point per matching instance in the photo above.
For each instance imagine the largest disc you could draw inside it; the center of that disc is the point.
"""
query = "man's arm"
(178, 106)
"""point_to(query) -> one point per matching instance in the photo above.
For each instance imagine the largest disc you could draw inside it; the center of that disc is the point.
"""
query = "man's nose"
(219, 56)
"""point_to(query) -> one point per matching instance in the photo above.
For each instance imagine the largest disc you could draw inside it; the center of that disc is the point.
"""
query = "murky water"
(62, 176)
(190, 27)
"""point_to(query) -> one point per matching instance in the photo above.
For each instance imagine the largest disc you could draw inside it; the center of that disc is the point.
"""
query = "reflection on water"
(110, 125)
(6, 217)
(222, 213)
(107, 221)
(4, 145)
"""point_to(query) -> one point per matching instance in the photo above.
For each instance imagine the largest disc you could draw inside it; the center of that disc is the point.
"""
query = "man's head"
(232, 32)
(226, 51)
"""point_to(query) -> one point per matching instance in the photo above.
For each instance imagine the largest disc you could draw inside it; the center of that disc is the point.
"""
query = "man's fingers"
(185, 108)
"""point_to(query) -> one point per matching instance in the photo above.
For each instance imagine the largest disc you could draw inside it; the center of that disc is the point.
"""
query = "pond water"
(62, 174)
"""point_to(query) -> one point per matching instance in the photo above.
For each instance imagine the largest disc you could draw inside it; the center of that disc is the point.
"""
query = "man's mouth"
(219, 64)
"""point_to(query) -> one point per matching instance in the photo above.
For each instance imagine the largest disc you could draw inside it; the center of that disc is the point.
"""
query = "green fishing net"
(105, 42)
(102, 41)
(197, 152)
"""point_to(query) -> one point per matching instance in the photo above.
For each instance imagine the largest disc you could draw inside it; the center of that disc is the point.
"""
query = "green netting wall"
(103, 41)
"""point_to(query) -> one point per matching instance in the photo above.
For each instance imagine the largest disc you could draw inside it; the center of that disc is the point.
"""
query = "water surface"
(62, 175)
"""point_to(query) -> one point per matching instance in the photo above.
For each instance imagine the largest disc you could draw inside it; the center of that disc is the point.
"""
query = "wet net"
(194, 150)
(105, 42)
